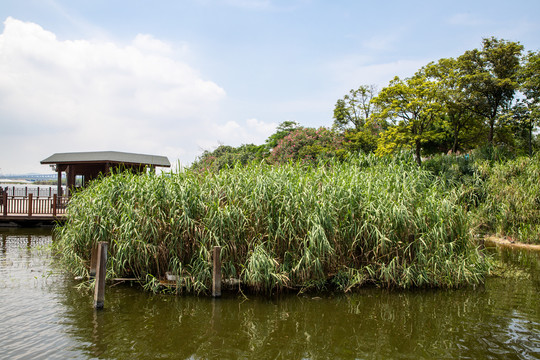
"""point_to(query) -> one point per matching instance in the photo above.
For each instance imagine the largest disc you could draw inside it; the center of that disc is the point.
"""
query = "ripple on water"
(43, 317)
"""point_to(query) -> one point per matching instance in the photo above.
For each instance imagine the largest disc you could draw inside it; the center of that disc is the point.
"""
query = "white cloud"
(251, 131)
(81, 95)
(354, 71)
(382, 42)
(146, 42)
(465, 19)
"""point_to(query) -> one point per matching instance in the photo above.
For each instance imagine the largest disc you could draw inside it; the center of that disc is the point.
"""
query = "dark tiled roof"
(107, 156)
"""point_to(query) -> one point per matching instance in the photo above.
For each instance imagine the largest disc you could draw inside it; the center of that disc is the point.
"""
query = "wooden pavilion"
(89, 165)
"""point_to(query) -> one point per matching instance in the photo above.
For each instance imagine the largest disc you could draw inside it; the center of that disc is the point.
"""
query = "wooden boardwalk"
(31, 210)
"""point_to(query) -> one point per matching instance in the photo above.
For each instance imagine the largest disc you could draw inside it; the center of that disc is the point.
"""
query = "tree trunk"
(418, 157)
(456, 136)
(491, 130)
(530, 137)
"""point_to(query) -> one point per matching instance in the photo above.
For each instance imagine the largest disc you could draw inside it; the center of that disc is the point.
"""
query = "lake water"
(43, 316)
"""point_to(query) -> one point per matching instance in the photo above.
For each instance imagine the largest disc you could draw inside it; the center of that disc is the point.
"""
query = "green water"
(44, 316)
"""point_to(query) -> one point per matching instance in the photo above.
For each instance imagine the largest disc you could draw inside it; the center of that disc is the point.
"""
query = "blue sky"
(178, 77)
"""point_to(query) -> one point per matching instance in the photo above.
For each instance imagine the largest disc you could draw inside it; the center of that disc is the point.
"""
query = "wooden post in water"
(93, 260)
(216, 274)
(30, 204)
(101, 269)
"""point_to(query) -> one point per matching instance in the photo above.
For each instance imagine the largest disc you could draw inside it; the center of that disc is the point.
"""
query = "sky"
(175, 78)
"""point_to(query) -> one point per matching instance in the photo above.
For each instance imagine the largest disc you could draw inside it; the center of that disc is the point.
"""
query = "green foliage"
(413, 105)
(307, 145)
(360, 141)
(355, 109)
(512, 206)
(283, 129)
(461, 104)
(530, 77)
(461, 124)
(490, 78)
(227, 156)
(501, 192)
(383, 221)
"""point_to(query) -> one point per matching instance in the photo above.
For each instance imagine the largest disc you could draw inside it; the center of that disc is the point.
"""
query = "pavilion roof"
(107, 157)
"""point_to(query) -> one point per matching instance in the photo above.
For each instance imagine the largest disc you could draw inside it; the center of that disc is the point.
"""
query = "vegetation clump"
(499, 191)
(367, 220)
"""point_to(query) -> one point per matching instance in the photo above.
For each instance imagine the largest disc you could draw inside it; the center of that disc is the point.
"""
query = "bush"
(368, 220)
(307, 145)
(512, 205)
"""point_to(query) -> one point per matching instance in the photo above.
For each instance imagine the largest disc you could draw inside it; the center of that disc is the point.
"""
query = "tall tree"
(355, 108)
(283, 129)
(462, 122)
(527, 111)
(490, 76)
(530, 77)
(413, 106)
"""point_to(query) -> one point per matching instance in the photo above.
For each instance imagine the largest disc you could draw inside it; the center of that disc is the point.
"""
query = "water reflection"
(424, 324)
(500, 320)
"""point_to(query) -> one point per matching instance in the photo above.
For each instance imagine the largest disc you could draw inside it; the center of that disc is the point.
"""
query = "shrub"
(366, 220)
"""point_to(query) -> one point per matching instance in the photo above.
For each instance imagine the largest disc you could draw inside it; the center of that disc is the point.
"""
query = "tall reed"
(512, 204)
(339, 225)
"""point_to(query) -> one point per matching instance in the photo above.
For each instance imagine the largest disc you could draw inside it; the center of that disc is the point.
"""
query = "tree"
(530, 77)
(359, 141)
(355, 108)
(413, 106)
(227, 156)
(283, 129)
(528, 110)
(307, 145)
(353, 115)
(490, 78)
(464, 125)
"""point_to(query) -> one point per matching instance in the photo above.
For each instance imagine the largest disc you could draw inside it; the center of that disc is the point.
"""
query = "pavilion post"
(5, 202)
(30, 204)
(68, 180)
(55, 199)
(59, 185)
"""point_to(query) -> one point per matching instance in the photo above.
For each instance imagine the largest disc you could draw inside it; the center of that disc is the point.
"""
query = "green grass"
(501, 194)
(368, 220)
(512, 204)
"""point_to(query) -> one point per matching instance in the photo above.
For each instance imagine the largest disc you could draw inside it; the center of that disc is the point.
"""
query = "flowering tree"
(308, 145)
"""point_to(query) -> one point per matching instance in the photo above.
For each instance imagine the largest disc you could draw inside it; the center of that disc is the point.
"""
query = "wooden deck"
(31, 210)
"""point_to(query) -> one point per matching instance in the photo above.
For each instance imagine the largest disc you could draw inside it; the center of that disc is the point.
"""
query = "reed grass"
(340, 225)
(512, 204)
(500, 193)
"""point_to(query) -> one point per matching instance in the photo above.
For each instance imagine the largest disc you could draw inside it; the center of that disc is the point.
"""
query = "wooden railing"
(35, 190)
(32, 205)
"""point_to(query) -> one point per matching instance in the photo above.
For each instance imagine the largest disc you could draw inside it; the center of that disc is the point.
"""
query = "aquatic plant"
(367, 220)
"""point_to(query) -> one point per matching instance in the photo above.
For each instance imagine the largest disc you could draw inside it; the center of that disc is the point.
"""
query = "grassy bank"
(500, 193)
(365, 221)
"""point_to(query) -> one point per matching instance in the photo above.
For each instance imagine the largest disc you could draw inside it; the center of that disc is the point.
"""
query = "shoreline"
(498, 241)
